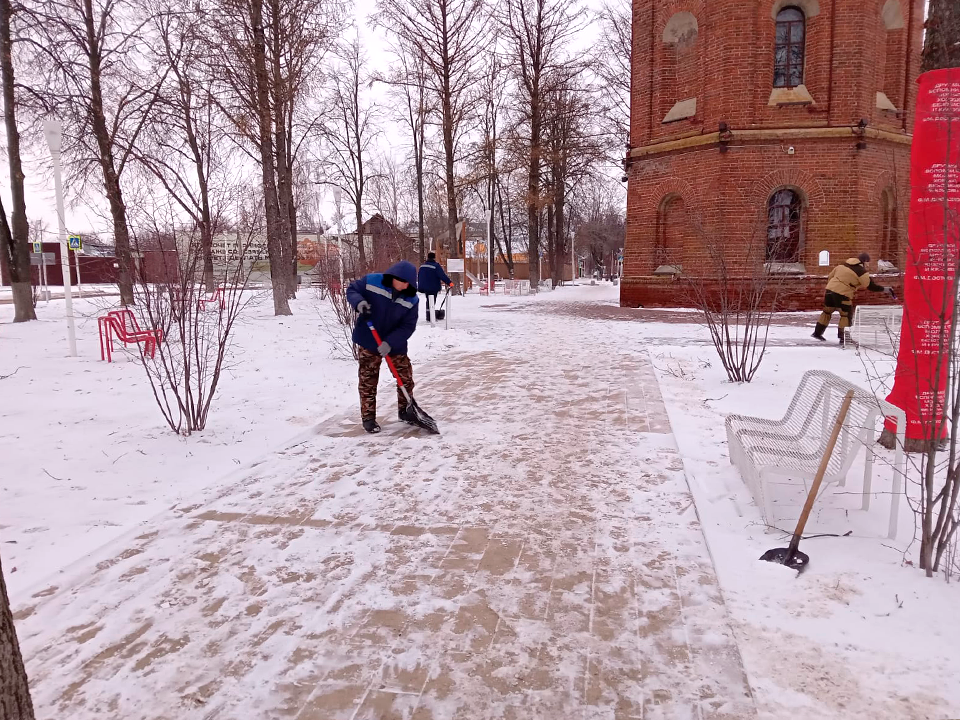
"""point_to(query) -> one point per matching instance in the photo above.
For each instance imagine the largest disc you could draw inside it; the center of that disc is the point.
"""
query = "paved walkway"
(541, 559)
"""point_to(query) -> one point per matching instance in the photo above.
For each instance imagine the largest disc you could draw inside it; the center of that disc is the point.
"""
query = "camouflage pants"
(370, 377)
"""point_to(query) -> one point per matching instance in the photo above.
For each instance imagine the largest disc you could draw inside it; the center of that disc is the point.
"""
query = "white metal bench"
(876, 327)
(790, 449)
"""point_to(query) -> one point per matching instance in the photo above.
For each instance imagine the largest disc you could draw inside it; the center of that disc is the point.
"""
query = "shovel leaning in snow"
(791, 556)
(417, 415)
(440, 313)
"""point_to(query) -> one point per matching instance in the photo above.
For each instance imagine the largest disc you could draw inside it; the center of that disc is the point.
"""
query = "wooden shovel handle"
(821, 471)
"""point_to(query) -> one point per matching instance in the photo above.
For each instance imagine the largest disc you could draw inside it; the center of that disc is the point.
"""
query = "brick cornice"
(819, 133)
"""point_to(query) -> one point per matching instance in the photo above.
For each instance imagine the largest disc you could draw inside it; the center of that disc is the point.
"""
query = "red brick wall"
(733, 54)
(93, 269)
(154, 266)
(794, 294)
(850, 56)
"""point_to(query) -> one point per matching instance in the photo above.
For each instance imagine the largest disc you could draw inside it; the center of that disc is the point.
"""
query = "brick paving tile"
(540, 559)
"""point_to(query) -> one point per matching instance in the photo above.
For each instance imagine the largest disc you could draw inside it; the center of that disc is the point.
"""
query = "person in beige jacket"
(842, 285)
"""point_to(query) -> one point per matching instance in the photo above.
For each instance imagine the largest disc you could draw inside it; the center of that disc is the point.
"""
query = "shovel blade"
(797, 561)
(421, 419)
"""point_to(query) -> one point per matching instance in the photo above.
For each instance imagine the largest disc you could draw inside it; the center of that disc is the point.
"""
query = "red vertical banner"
(920, 383)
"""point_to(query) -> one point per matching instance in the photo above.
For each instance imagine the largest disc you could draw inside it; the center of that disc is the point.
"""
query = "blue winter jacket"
(393, 313)
(432, 277)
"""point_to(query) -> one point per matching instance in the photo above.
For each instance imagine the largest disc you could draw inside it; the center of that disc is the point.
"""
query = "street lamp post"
(53, 132)
(337, 195)
(490, 245)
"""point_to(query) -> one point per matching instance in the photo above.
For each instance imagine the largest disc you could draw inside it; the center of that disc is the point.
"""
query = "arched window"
(784, 220)
(671, 229)
(889, 238)
(893, 56)
(790, 48)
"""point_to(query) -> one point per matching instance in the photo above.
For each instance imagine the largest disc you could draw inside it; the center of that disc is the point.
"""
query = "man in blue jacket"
(430, 279)
(389, 301)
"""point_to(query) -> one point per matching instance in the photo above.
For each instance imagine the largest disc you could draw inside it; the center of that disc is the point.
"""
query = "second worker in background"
(430, 279)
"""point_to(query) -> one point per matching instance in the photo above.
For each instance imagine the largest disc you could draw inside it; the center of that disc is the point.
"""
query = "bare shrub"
(196, 327)
(338, 318)
(737, 290)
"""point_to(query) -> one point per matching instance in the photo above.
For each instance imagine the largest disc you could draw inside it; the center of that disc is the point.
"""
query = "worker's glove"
(890, 291)
(384, 348)
(363, 307)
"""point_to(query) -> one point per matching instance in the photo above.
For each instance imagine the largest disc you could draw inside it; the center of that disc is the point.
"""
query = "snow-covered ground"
(860, 621)
(86, 459)
(86, 454)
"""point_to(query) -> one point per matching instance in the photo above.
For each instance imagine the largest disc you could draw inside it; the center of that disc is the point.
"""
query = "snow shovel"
(440, 313)
(791, 556)
(416, 414)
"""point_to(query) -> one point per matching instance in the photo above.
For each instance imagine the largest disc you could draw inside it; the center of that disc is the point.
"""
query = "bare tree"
(941, 46)
(300, 36)
(184, 146)
(448, 36)
(14, 247)
(612, 63)
(244, 67)
(597, 220)
(349, 134)
(387, 187)
(572, 153)
(409, 86)
(89, 55)
(505, 201)
(537, 35)
(492, 90)
(270, 68)
(15, 701)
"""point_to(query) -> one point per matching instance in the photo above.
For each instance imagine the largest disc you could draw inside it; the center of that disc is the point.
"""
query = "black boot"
(818, 332)
(371, 425)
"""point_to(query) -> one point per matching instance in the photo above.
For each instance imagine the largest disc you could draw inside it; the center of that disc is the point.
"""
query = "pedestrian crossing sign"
(75, 243)
(37, 248)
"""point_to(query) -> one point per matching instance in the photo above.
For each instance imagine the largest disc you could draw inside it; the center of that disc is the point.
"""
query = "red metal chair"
(123, 325)
(217, 297)
(131, 326)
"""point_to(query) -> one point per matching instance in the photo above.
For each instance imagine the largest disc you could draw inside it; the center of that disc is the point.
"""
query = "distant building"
(383, 243)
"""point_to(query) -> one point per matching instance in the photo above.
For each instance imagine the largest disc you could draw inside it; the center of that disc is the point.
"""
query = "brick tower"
(785, 122)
